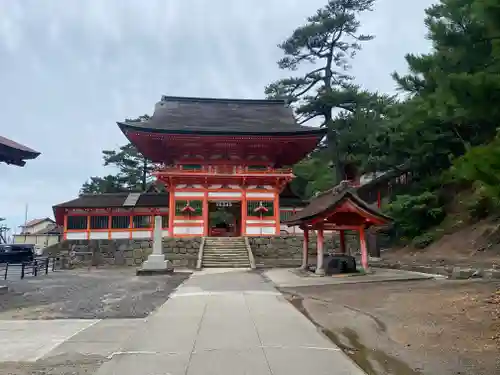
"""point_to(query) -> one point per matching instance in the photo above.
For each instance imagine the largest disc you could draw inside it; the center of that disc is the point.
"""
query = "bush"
(414, 214)
(423, 240)
(479, 205)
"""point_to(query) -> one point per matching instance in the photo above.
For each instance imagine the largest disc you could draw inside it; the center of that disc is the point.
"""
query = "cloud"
(71, 69)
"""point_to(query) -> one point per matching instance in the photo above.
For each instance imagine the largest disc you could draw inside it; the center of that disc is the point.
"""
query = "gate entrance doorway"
(224, 219)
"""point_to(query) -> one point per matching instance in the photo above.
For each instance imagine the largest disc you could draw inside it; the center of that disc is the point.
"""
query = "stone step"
(228, 250)
(225, 247)
(226, 264)
(225, 253)
(244, 258)
(225, 244)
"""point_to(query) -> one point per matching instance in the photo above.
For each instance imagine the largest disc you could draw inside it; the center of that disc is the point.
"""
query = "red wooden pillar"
(276, 203)
(205, 213)
(364, 249)
(244, 212)
(171, 211)
(65, 226)
(305, 249)
(320, 252)
(342, 241)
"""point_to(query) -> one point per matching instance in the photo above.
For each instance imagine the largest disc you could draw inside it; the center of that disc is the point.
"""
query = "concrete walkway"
(228, 323)
(283, 277)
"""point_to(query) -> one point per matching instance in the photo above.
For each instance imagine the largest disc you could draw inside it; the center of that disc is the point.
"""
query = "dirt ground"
(476, 245)
(409, 328)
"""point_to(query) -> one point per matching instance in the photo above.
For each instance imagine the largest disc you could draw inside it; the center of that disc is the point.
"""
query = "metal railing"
(35, 268)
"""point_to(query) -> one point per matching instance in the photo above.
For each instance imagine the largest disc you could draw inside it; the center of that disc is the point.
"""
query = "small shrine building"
(338, 209)
(225, 163)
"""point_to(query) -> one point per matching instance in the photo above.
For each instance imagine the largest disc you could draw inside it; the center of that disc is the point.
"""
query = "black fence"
(29, 269)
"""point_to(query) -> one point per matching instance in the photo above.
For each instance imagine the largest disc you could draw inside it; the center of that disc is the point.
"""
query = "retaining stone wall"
(182, 252)
(286, 250)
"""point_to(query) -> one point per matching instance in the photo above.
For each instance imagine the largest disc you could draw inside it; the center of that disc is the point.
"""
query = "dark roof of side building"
(114, 200)
(181, 115)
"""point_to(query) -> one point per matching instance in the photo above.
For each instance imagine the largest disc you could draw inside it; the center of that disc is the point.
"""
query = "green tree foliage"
(327, 42)
(413, 214)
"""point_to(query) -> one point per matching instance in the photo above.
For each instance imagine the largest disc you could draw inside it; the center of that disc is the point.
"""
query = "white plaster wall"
(260, 195)
(261, 230)
(231, 194)
(76, 236)
(188, 230)
(141, 234)
(98, 235)
(120, 235)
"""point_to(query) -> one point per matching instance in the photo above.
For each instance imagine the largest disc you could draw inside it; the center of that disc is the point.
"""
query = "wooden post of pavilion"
(305, 249)
(342, 241)
(320, 270)
(363, 248)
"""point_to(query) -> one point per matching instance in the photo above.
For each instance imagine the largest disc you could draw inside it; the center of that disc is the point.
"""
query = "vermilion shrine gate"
(213, 155)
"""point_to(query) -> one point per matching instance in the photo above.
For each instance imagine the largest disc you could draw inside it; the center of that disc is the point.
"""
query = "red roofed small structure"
(338, 209)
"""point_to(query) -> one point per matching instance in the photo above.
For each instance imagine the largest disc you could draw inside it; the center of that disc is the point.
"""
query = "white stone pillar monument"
(156, 262)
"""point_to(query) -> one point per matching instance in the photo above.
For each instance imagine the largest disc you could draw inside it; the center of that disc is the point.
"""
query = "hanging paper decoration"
(187, 209)
(260, 209)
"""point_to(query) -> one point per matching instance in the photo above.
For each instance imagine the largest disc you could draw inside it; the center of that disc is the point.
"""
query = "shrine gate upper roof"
(181, 115)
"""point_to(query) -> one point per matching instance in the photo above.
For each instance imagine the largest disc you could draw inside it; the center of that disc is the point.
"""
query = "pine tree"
(330, 40)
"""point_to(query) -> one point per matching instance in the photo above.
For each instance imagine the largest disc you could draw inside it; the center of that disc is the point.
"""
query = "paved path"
(31, 340)
(228, 323)
(284, 277)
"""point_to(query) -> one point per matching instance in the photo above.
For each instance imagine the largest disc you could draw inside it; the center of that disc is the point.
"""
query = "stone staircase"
(228, 252)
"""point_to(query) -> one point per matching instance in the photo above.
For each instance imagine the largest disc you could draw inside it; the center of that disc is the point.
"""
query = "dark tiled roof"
(115, 200)
(15, 153)
(328, 200)
(221, 116)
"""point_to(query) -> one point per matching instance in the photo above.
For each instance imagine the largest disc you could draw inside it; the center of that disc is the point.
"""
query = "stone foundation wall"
(183, 252)
(286, 250)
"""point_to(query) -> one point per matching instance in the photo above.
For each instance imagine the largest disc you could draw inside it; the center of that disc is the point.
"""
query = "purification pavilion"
(225, 163)
(338, 209)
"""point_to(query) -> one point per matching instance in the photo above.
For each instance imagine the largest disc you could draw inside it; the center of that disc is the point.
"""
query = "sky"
(70, 69)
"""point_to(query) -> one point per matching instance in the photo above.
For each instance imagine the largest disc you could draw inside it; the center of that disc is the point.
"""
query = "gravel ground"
(63, 365)
(408, 328)
(87, 294)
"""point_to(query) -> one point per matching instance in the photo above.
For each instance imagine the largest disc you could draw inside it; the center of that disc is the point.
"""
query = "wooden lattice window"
(192, 167)
(285, 215)
(253, 205)
(197, 205)
(141, 221)
(120, 222)
(77, 222)
(164, 221)
(257, 167)
(99, 222)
